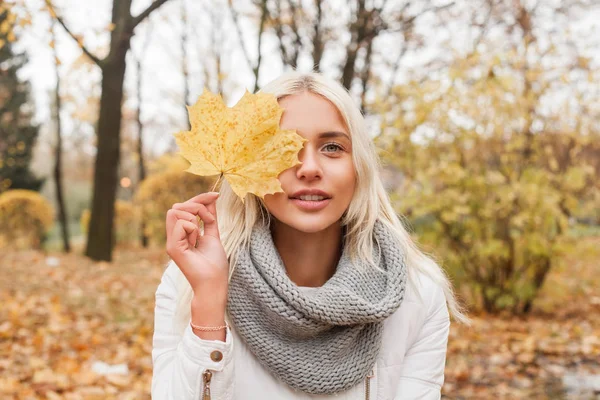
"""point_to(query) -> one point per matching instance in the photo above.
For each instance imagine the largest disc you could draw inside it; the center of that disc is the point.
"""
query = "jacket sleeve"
(178, 361)
(422, 372)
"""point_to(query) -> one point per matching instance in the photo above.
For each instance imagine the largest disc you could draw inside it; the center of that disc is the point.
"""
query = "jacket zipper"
(368, 385)
(206, 378)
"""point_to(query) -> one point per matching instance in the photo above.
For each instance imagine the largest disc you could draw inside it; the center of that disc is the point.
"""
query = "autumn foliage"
(62, 314)
(25, 218)
(127, 222)
(490, 178)
(243, 143)
(167, 184)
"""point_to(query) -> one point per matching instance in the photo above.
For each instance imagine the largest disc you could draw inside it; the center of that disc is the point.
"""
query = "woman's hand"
(201, 258)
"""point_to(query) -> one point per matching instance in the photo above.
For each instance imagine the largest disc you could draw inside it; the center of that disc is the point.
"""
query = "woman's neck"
(310, 259)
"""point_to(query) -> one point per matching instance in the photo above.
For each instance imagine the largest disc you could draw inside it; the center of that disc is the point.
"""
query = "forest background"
(485, 114)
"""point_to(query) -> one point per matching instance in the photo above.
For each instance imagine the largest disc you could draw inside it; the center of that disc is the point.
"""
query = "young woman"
(314, 293)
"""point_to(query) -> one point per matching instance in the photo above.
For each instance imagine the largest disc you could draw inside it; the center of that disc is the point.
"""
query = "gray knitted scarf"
(324, 342)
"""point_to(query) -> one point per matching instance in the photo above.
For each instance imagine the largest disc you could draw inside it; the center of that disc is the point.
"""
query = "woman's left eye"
(334, 145)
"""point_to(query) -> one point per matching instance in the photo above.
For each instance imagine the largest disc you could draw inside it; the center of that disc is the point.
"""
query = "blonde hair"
(370, 201)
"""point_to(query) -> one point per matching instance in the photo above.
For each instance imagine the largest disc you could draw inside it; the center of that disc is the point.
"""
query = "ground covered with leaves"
(71, 328)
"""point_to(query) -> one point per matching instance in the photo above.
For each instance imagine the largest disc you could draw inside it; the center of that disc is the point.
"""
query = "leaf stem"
(215, 185)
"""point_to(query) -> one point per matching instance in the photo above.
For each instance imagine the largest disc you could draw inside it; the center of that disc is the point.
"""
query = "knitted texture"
(321, 343)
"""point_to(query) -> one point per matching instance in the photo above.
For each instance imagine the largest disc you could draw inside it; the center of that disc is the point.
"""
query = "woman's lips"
(310, 205)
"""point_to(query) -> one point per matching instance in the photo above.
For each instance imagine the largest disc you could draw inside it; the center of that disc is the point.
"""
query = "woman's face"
(326, 166)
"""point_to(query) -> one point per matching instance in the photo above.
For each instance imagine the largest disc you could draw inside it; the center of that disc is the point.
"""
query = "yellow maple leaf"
(242, 144)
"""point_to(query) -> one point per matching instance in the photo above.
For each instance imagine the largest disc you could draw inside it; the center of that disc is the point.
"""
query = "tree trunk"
(488, 303)
(62, 215)
(101, 238)
(317, 42)
(365, 77)
(263, 19)
(140, 147)
(357, 36)
(184, 62)
(541, 273)
(140, 140)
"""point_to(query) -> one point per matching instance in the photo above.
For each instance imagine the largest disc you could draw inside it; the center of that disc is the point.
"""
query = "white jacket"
(410, 364)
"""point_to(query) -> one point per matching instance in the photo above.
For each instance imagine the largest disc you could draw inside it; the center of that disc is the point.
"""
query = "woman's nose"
(310, 167)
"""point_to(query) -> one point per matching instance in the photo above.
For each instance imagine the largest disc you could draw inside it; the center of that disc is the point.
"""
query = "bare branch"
(238, 30)
(367, 25)
(144, 14)
(395, 69)
(184, 56)
(414, 17)
(279, 32)
(290, 57)
(53, 13)
(317, 41)
(263, 17)
(297, 40)
(484, 26)
(216, 48)
(357, 38)
(365, 76)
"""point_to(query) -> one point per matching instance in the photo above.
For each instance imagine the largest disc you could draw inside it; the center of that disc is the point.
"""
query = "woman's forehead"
(309, 112)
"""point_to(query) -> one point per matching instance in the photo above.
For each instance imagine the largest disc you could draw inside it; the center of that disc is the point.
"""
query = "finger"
(212, 228)
(188, 216)
(189, 207)
(181, 231)
(212, 208)
(206, 217)
(184, 215)
(204, 198)
(170, 223)
(199, 210)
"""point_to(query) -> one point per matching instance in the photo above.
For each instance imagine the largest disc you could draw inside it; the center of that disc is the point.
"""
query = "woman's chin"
(310, 223)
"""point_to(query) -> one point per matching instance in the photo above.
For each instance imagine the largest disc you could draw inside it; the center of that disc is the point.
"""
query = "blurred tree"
(101, 236)
(138, 117)
(308, 31)
(184, 60)
(18, 134)
(211, 57)
(496, 160)
(263, 14)
(58, 153)
(126, 222)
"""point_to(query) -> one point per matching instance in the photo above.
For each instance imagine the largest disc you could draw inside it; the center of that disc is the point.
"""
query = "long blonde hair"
(370, 201)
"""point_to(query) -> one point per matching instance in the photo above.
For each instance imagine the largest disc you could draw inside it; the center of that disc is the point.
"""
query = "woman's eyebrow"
(333, 134)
